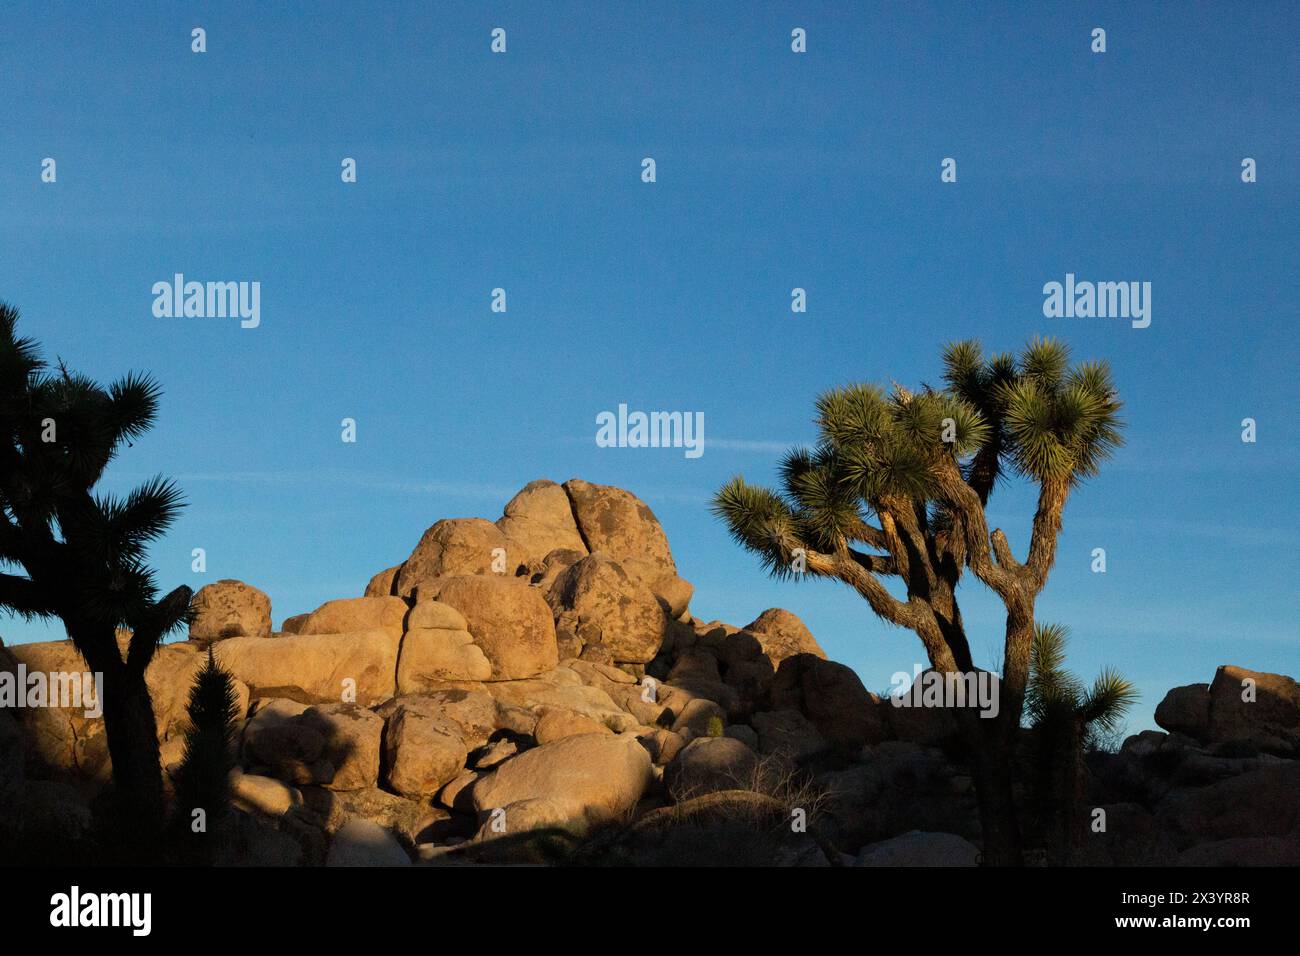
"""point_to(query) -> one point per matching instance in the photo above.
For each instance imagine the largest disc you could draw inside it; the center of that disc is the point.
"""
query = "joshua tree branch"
(969, 513)
(875, 563)
(21, 595)
(1047, 530)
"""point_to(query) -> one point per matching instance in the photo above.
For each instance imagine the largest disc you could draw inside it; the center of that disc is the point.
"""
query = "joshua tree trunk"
(998, 822)
(132, 734)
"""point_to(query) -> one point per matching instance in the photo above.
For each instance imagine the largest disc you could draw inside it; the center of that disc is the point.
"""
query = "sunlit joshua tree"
(897, 487)
(81, 555)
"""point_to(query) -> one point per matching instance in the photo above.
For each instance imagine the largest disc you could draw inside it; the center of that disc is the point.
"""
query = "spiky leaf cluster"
(84, 556)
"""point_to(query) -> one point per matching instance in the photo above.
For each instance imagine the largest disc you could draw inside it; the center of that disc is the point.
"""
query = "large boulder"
(623, 526)
(476, 714)
(229, 608)
(384, 584)
(1261, 803)
(425, 749)
(782, 634)
(356, 614)
(602, 605)
(832, 696)
(788, 734)
(587, 778)
(352, 738)
(539, 520)
(316, 668)
(1254, 708)
(511, 623)
(451, 547)
(362, 842)
(709, 765)
(438, 647)
(1186, 710)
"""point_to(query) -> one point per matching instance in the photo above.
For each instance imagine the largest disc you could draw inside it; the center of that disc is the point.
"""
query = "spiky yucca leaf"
(1109, 699)
(202, 782)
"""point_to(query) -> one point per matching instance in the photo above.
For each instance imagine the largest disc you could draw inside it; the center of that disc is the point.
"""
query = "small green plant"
(715, 726)
(1066, 721)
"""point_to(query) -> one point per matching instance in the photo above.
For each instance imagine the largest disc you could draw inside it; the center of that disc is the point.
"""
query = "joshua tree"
(84, 555)
(897, 486)
(1065, 720)
(203, 782)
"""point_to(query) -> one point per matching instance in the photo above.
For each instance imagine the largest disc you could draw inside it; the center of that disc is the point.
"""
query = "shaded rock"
(709, 765)
(253, 793)
(832, 697)
(352, 738)
(533, 814)
(1186, 710)
(1269, 722)
(229, 608)
(293, 624)
(365, 843)
(458, 793)
(662, 745)
(697, 718)
(920, 849)
(788, 733)
(1244, 851)
(588, 778)
(745, 734)
(411, 821)
(1262, 803)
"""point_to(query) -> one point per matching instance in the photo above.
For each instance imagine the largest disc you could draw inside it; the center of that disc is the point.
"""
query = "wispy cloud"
(342, 479)
(748, 444)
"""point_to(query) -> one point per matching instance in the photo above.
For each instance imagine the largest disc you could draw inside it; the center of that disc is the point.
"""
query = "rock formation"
(542, 676)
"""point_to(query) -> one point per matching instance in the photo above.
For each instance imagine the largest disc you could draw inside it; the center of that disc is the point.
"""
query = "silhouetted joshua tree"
(84, 555)
(1065, 720)
(897, 487)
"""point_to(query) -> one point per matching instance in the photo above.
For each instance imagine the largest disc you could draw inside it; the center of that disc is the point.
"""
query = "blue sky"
(775, 170)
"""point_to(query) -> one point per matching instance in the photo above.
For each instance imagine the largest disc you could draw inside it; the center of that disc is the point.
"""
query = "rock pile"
(543, 674)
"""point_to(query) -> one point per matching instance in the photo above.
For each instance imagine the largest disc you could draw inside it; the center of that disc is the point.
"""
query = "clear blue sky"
(775, 170)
